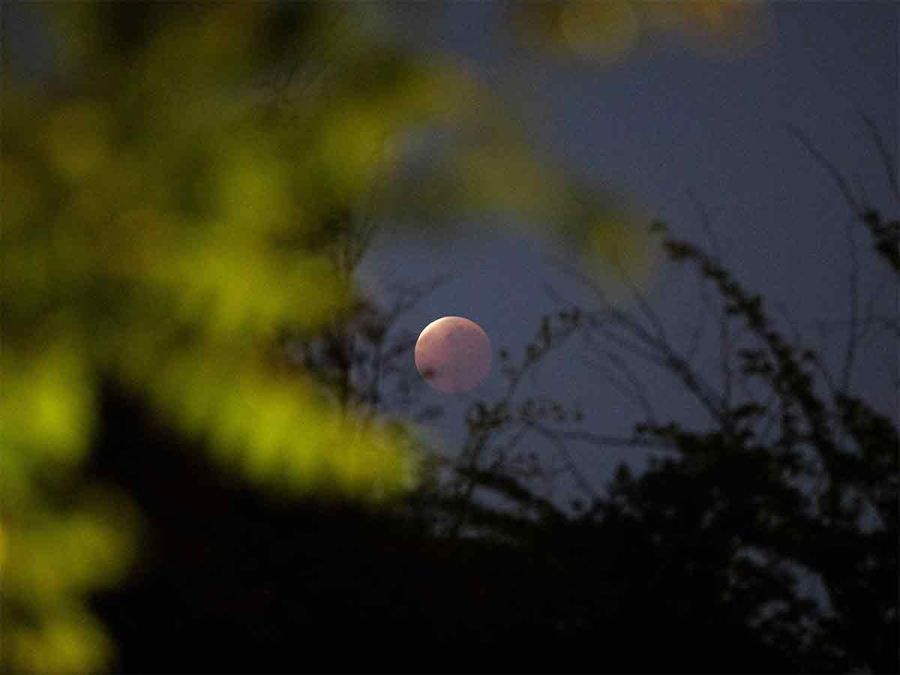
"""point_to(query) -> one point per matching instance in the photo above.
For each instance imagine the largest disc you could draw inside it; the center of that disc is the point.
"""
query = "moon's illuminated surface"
(453, 354)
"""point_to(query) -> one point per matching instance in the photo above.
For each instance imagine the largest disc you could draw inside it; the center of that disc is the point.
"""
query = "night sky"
(666, 121)
(267, 532)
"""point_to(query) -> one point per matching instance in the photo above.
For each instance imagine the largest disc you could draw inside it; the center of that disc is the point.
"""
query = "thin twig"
(890, 162)
(853, 290)
(836, 175)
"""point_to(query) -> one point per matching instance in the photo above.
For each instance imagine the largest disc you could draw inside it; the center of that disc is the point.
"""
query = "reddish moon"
(453, 354)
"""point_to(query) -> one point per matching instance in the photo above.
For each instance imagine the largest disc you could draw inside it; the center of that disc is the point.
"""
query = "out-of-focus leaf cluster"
(176, 190)
(608, 30)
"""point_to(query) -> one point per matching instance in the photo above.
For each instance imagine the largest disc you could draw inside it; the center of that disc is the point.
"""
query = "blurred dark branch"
(487, 421)
(887, 158)
(632, 388)
(725, 336)
(651, 344)
(830, 168)
(361, 359)
(604, 441)
(706, 224)
(886, 237)
(853, 300)
(559, 443)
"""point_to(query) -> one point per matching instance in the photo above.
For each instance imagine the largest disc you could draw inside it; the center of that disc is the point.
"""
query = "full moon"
(453, 354)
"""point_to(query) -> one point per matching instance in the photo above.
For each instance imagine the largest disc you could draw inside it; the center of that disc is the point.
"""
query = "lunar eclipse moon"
(453, 354)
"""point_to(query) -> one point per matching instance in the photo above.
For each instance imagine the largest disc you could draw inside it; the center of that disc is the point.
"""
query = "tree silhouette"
(702, 562)
(181, 176)
(207, 438)
(709, 554)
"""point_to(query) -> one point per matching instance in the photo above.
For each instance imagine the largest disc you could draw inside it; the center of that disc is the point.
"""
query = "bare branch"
(889, 161)
(823, 161)
(853, 291)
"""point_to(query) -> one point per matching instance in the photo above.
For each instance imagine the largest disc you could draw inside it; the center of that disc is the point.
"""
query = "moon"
(453, 354)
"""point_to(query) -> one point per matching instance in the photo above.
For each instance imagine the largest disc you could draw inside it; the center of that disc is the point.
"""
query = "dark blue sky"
(668, 120)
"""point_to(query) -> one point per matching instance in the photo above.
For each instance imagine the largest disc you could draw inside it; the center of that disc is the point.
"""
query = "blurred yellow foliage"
(166, 189)
(608, 30)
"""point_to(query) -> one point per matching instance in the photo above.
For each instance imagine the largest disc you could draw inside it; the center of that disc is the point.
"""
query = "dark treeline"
(209, 429)
(695, 564)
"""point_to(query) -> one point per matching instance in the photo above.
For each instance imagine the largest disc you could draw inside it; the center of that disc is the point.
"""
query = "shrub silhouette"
(188, 364)
(698, 563)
